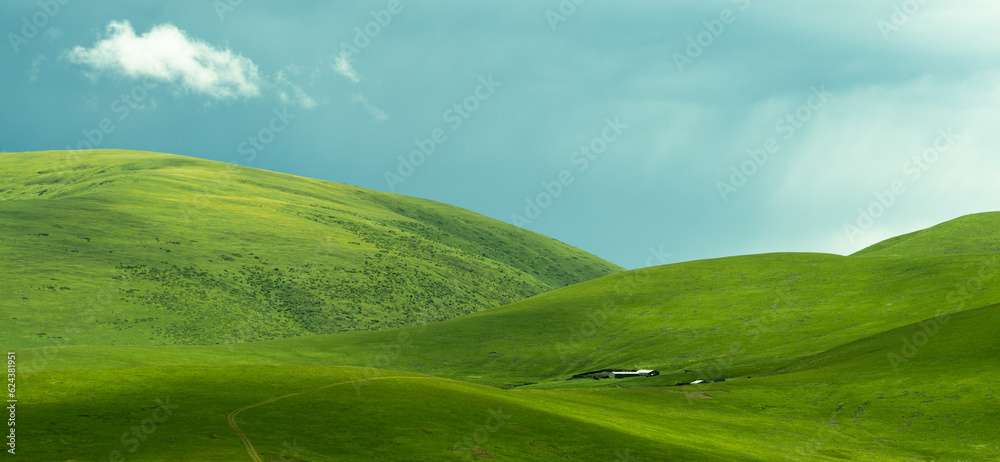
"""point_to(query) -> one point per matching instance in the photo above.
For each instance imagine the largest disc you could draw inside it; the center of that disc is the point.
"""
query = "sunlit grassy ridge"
(978, 233)
(129, 247)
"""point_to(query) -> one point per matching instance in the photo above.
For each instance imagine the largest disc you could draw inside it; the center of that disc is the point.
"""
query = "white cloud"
(166, 53)
(36, 65)
(342, 65)
(289, 92)
(53, 33)
(378, 114)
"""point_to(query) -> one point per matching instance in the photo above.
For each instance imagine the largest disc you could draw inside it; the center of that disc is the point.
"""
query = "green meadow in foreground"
(888, 354)
(851, 402)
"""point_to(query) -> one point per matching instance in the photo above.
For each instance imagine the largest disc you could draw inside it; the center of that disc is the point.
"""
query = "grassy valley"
(887, 354)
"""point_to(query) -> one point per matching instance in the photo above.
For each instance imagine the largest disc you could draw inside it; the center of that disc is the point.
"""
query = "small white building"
(638, 373)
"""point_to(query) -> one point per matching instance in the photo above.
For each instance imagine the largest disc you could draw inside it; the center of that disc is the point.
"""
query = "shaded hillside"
(144, 248)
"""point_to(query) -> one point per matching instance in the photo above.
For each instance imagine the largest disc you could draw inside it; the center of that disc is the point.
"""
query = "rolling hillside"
(884, 355)
(125, 247)
(920, 391)
(979, 233)
(727, 317)
(721, 317)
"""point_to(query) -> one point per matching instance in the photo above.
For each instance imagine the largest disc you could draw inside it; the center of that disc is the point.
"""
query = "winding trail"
(246, 442)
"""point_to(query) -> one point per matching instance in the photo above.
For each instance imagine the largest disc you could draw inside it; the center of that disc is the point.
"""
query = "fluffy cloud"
(342, 65)
(289, 92)
(377, 113)
(167, 53)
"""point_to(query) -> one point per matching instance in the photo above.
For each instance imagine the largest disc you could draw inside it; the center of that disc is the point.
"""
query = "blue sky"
(643, 132)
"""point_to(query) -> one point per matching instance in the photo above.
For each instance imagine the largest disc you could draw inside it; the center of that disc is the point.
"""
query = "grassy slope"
(816, 332)
(141, 248)
(847, 403)
(801, 404)
(723, 317)
(978, 233)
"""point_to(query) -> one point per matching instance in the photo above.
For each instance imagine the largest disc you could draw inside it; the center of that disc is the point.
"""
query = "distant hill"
(126, 247)
(978, 233)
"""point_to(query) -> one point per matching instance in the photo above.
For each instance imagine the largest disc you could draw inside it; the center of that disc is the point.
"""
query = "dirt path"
(246, 442)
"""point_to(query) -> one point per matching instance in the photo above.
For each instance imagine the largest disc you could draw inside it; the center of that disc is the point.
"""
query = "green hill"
(125, 247)
(886, 355)
(719, 318)
(916, 392)
(979, 233)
